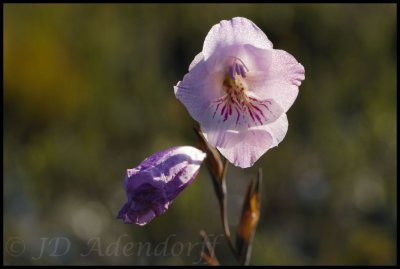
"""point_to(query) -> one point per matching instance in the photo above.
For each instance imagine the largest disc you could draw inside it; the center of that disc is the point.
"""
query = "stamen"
(231, 73)
(242, 71)
(236, 102)
(236, 59)
(237, 69)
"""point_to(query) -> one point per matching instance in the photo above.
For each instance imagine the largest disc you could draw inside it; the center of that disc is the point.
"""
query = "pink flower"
(152, 186)
(239, 89)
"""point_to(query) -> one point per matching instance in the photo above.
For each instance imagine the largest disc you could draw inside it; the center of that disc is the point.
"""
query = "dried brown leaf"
(249, 219)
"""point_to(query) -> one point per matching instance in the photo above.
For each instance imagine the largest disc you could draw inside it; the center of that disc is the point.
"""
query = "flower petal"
(128, 215)
(278, 129)
(197, 59)
(244, 148)
(198, 88)
(235, 31)
(256, 59)
(221, 118)
(154, 184)
(253, 58)
(281, 80)
(145, 218)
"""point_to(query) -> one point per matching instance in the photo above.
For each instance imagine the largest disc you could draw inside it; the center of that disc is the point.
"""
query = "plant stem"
(224, 211)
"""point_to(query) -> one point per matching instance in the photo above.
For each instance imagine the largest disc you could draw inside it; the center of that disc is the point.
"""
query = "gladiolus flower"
(239, 89)
(156, 182)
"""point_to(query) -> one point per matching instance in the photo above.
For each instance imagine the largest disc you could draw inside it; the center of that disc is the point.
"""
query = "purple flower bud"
(156, 182)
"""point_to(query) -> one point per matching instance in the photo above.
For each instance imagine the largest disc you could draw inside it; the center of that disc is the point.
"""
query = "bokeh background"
(88, 93)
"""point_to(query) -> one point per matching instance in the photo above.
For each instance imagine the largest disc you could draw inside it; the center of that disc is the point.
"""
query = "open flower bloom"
(239, 89)
(154, 184)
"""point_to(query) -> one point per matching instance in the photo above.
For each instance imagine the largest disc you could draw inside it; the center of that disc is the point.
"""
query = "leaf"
(249, 219)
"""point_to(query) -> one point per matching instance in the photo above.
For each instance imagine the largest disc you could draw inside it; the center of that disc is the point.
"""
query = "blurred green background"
(88, 93)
